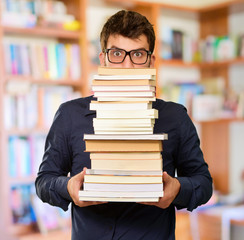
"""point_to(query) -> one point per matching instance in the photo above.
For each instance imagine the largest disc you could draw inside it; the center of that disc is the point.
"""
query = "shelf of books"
(42, 55)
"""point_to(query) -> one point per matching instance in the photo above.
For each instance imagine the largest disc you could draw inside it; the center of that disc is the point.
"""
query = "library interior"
(49, 54)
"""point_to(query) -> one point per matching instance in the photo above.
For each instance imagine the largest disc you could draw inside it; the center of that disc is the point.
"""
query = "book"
(122, 132)
(123, 145)
(134, 82)
(147, 187)
(120, 105)
(126, 155)
(149, 113)
(142, 122)
(126, 99)
(128, 164)
(158, 136)
(125, 94)
(120, 194)
(121, 179)
(122, 77)
(108, 88)
(119, 199)
(126, 71)
(122, 172)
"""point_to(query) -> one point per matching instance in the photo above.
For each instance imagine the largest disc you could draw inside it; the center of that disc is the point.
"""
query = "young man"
(127, 40)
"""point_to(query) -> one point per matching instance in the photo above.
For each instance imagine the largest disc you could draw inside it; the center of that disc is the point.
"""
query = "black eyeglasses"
(117, 55)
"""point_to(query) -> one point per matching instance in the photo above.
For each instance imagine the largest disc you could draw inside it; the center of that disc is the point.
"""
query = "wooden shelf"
(54, 235)
(40, 31)
(178, 63)
(30, 79)
(181, 63)
(239, 60)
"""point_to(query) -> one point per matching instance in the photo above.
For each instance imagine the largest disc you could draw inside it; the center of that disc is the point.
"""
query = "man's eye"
(117, 54)
(138, 54)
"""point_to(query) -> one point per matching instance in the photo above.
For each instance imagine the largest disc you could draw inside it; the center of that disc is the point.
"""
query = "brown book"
(126, 71)
(138, 82)
(124, 145)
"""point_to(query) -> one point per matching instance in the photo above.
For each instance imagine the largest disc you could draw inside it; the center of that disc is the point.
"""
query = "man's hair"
(127, 24)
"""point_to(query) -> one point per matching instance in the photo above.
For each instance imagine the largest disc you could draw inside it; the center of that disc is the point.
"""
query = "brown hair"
(127, 24)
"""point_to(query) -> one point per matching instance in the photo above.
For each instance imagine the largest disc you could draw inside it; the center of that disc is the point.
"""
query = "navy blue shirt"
(64, 153)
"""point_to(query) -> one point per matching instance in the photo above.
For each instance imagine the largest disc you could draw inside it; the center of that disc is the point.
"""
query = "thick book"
(130, 82)
(126, 156)
(123, 194)
(122, 88)
(123, 132)
(148, 113)
(128, 164)
(94, 105)
(150, 137)
(125, 94)
(123, 172)
(123, 77)
(126, 71)
(119, 199)
(126, 99)
(149, 187)
(123, 145)
(111, 123)
(122, 179)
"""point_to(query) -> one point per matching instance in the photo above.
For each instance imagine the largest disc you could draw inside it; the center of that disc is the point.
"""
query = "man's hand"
(75, 184)
(171, 189)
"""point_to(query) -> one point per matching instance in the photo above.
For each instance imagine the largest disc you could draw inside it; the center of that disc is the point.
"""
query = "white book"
(119, 199)
(147, 187)
(143, 122)
(120, 106)
(124, 77)
(120, 194)
(122, 88)
(123, 128)
(149, 113)
(158, 136)
(124, 94)
(126, 99)
(123, 172)
(112, 132)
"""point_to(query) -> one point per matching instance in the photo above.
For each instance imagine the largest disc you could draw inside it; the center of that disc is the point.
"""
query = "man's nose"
(127, 62)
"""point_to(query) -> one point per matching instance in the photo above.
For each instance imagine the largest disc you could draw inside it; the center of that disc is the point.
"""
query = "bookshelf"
(40, 91)
(211, 131)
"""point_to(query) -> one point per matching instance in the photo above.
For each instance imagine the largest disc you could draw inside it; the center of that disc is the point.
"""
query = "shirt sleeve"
(192, 171)
(52, 179)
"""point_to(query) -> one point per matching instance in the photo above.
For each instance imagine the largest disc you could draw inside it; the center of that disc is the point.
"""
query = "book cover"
(122, 179)
(120, 105)
(126, 155)
(119, 199)
(123, 172)
(149, 137)
(137, 82)
(148, 187)
(128, 164)
(126, 71)
(149, 113)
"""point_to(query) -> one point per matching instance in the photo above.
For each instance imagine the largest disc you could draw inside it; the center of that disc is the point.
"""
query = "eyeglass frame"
(149, 54)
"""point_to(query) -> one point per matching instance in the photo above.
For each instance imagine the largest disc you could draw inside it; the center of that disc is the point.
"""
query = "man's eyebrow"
(142, 48)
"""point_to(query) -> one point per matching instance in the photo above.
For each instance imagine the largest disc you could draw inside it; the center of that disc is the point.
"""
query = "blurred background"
(49, 54)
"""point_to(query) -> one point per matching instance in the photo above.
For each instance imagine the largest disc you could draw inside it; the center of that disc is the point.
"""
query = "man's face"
(128, 44)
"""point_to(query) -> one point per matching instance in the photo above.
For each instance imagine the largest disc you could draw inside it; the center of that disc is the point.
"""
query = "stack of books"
(126, 160)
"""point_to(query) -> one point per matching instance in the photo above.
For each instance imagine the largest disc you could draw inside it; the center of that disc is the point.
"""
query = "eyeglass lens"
(136, 56)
